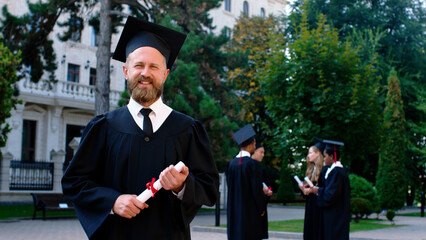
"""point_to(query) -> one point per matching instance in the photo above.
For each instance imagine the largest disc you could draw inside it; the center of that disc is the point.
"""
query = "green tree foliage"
(29, 33)
(285, 191)
(364, 199)
(319, 87)
(249, 36)
(402, 46)
(9, 62)
(390, 180)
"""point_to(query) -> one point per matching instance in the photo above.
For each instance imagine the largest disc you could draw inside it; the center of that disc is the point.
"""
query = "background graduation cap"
(244, 134)
(333, 146)
(319, 144)
(139, 33)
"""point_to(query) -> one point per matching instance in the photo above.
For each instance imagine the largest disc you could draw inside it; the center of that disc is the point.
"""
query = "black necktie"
(147, 125)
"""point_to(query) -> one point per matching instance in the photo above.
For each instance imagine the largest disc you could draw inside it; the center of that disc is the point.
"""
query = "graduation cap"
(333, 146)
(258, 145)
(244, 134)
(319, 144)
(139, 33)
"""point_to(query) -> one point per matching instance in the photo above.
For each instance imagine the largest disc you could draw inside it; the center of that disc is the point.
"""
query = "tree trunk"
(103, 55)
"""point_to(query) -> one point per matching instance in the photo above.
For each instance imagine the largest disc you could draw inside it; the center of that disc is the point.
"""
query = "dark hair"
(331, 152)
(247, 142)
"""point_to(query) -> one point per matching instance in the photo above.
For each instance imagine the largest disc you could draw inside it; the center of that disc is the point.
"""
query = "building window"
(75, 27)
(95, 38)
(262, 12)
(28, 141)
(228, 5)
(245, 8)
(73, 73)
(92, 80)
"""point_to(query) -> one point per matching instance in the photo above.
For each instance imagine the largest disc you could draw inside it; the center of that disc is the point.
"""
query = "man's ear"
(125, 72)
(166, 74)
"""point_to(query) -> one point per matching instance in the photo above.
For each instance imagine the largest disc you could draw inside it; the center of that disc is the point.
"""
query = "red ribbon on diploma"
(151, 187)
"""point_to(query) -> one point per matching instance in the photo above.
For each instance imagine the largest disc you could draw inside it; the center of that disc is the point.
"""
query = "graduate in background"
(258, 155)
(246, 199)
(123, 150)
(334, 196)
(315, 162)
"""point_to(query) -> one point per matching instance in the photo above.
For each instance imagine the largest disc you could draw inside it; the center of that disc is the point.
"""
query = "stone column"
(5, 172)
(58, 158)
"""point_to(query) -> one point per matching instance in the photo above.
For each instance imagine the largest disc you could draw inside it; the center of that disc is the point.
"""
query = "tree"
(249, 36)
(319, 87)
(392, 159)
(401, 47)
(9, 62)
(30, 34)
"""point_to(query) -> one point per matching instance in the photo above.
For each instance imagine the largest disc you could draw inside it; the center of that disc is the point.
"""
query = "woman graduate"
(123, 150)
(334, 197)
(315, 162)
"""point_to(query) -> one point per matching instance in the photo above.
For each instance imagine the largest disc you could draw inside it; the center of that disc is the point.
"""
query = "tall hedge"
(285, 191)
(391, 186)
(8, 64)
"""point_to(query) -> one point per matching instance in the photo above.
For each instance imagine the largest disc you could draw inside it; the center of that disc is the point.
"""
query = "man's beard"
(144, 94)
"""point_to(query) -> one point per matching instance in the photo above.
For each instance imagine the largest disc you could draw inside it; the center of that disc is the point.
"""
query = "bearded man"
(123, 150)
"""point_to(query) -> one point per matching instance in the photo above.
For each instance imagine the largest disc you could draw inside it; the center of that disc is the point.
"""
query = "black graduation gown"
(246, 200)
(334, 200)
(311, 228)
(265, 234)
(115, 158)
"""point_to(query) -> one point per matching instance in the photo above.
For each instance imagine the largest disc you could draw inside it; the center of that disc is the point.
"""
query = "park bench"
(50, 202)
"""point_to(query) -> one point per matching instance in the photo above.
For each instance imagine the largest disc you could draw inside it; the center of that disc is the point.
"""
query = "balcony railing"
(64, 90)
(31, 175)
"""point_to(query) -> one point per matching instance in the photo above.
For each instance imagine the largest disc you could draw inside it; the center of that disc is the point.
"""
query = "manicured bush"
(361, 207)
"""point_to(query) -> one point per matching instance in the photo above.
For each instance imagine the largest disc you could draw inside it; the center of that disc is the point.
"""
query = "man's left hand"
(173, 180)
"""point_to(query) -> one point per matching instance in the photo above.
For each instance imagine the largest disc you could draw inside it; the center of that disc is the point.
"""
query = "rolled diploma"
(298, 180)
(147, 194)
(265, 186)
(309, 182)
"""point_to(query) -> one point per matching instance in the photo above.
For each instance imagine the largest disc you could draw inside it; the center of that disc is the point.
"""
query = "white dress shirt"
(159, 114)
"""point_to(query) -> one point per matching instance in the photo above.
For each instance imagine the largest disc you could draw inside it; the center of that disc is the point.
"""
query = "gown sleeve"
(81, 181)
(328, 195)
(257, 186)
(202, 183)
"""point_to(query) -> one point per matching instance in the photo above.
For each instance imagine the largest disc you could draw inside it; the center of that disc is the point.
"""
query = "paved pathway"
(201, 228)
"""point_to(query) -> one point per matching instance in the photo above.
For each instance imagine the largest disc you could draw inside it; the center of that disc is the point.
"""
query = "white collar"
(335, 164)
(160, 112)
(243, 153)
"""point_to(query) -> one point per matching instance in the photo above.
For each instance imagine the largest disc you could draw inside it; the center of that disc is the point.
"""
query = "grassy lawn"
(297, 225)
(26, 211)
(413, 214)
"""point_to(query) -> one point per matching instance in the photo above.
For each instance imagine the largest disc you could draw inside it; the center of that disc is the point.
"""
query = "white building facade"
(50, 119)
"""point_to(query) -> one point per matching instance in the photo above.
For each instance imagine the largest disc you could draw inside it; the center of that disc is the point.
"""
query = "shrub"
(361, 207)
(390, 214)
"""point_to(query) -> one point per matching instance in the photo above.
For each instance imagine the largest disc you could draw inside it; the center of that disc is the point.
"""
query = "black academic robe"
(246, 199)
(311, 228)
(115, 157)
(265, 234)
(334, 200)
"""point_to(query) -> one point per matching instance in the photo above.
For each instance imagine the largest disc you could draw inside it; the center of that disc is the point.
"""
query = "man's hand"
(128, 206)
(267, 192)
(173, 180)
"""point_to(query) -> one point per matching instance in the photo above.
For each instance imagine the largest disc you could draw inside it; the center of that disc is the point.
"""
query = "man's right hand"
(128, 206)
